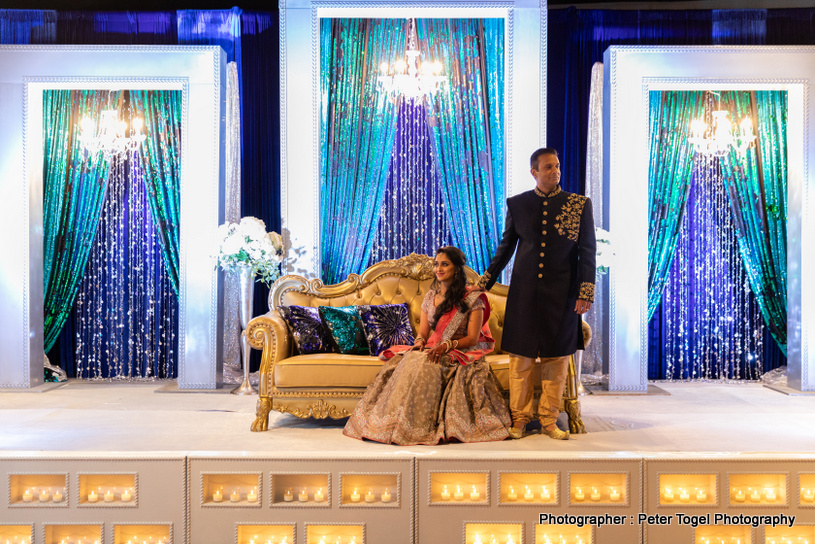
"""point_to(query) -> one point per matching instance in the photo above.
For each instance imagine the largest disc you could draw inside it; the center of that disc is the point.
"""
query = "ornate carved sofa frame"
(330, 384)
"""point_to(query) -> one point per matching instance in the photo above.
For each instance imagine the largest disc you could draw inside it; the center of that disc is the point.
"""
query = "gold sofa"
(330, 384)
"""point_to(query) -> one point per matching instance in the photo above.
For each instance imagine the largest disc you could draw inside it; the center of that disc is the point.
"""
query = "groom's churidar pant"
(521, 388)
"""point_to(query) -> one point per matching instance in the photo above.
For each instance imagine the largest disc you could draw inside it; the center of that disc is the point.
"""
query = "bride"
(441, 388)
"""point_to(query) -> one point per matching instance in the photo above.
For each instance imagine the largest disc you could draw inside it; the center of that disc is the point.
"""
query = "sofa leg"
(575, 421)
(261, 422)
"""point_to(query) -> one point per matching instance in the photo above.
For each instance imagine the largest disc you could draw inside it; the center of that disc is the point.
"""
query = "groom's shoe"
(554, 433)
(518, 430)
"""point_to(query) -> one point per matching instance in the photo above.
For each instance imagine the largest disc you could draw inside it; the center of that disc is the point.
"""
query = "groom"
(551, 233)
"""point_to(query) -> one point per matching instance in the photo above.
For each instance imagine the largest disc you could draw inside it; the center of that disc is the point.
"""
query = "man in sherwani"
(551, 233)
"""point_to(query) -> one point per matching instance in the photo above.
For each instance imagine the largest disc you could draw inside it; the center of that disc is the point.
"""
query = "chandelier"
(717, 136)
(409, 78)
(111, 136)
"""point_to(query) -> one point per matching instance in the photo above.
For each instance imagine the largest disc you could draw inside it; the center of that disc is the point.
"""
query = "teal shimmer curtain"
(356, 139)
(74, 189)
(467, 126)
(669, 178)
(160, 154)
(757, 186)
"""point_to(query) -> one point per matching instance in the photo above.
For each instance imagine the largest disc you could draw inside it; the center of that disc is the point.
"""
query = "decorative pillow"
(385, 326)
(345, 328)
(306, 328)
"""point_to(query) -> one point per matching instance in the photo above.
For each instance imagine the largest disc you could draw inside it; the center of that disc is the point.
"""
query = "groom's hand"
(582, 306)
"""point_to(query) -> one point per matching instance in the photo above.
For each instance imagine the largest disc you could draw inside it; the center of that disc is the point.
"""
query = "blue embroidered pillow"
(345, 328)
(386, 325)
(306, 328)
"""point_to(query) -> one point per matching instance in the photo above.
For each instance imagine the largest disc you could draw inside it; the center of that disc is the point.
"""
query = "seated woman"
(441, 388)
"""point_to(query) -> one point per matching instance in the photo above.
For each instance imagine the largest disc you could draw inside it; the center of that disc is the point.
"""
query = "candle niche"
(686, 489)
(29, 490)
(72, 534)
(16, 534)
(460, 488)
(300, 489)
(138, 534)
(266, 534)
(806, 490)
(528, 488)
(370, 490)
(799, 534)
(716, 534)
(334, 534)
(587, 489)
(493, 533)
(565, 534)
(108, 489)
(757, 489)
(230, 489)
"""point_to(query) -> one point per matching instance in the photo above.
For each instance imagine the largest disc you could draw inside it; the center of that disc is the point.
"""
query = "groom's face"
(547, 172)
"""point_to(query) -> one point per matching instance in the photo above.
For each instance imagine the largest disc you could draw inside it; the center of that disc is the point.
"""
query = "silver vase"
(246, 279)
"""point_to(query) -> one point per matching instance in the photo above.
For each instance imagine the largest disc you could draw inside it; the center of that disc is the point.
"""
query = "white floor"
(121, 417)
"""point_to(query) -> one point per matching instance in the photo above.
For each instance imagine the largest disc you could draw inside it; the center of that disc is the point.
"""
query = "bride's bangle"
(455, 344)
(420, 339)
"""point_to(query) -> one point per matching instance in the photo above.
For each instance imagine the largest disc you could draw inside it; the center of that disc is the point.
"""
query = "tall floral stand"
(246, 281)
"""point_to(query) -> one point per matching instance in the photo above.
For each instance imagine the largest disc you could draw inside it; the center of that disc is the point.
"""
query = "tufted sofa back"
(404, 280)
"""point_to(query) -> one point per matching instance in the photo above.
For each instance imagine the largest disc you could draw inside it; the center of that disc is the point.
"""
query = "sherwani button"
(540, 265)
(540, 275)
(545, 212)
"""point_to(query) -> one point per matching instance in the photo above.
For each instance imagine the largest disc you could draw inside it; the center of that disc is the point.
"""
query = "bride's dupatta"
(447, 326)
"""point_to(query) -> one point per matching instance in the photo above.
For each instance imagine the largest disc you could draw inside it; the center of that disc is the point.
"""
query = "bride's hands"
(437, 351)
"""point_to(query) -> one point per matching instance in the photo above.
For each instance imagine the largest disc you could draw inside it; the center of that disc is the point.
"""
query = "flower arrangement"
(605, 253)
(248, 245)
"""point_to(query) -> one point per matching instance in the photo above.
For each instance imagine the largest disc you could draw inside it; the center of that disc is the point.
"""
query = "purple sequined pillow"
(306, 328)
(386, 325)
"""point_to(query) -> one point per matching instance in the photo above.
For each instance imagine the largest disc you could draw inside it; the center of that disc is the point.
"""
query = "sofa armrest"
(269, 333)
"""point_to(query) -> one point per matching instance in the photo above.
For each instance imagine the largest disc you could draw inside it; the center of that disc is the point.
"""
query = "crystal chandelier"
(718, 135)
(111, 136)
(408, 77)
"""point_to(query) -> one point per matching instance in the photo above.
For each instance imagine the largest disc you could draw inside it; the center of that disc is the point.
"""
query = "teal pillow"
(345, 328)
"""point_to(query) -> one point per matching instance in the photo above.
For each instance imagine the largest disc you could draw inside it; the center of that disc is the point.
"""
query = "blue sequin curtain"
(467, 125)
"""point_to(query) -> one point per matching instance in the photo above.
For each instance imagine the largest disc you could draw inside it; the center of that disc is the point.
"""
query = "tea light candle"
(285, 540)
(218, 495)
(369, 496)
(57, 496)
(235, 495)
(474, 494)
(109, 496)
(528, 496)
(578, 494)
(319, 496)
(738, 495)
(127, 494)
(302, 496)
(93, 496)
(445, 494)
(808, 495)
(288, 496)
(769, 494)
(45, 495)
(386, 496)
(459, 494)
(252, 495)
(512, 495)
(545, 494)
(28, 495)
(509, 540)
(701, 494)
(684, 495)
(614, 494)
(755, 495)
(595, 494)
(668, 494)
(477, 539)
(355, 496)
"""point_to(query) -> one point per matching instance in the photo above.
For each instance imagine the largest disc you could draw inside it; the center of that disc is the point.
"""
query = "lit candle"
(288, 496)
(477, 539)
(545, 494)
(684, 495)
(386, 496)
(235, 495)
(319, 496)
(509, 540)
(369, 496)
(57, 496)
(578, 494)
(769, 493)
(445, 494)
(109, 496)
(252, 495)
(512, 495)
(474, 494)
(218, 495)
(595, 494)
(668, 494)
(126, 494)
(528, 496)
(808, 494)
(303, 495)
(701, 494)
(45, 495)
(459, 494)
(285, 540)
(738, 495)
(355, 496)
(28, 495)
(755, 494)
(614, 494)
(93, 496)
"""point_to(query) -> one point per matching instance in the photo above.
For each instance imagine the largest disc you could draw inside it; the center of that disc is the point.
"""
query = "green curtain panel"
(356, 141)
(74, 189)
(161, 160)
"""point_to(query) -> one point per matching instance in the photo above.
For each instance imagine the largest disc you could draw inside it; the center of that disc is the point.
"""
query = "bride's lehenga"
(414, 400)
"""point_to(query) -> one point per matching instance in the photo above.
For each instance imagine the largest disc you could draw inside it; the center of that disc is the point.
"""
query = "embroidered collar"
(556, 191)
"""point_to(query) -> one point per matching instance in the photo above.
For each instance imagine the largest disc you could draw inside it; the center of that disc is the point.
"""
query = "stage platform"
(174, 451)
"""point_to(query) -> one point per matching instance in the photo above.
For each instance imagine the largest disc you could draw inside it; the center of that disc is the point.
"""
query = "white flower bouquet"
(248, 245)
(605, 253)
